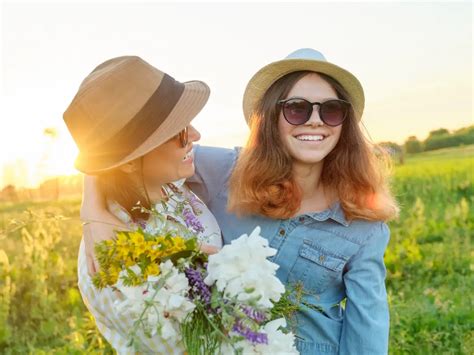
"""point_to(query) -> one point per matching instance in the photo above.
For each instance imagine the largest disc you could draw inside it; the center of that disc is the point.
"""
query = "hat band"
(141, 126)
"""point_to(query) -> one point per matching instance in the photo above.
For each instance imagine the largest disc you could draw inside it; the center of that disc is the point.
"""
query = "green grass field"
(429, 264)
(429, 259)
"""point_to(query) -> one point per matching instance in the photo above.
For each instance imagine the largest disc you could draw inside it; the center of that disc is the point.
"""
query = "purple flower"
(141, 223)
(257, 316)
(249, 334)
(195, 203)
(199, 289)
(192, 222)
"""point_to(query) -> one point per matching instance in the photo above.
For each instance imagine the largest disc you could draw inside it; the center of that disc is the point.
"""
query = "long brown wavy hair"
(262, 182)
(121, 187)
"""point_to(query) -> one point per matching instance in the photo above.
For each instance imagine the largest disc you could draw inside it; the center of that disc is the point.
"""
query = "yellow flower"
(138, 250)
(129, 262)
(109, 247)
(152, 269)
(122, 240)
(114, 273)
(137, 238)
(177, 245)
(155, 254)
(102, 277)
(137, 282)
(122, 246)
(137, 244)
(122, 252)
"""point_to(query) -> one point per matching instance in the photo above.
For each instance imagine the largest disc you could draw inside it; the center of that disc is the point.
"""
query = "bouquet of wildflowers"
(229, 302)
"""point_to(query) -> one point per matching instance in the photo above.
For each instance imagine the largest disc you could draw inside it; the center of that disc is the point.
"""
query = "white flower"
(243, 346)
(154, 225)
(170, 304)
(279, 343)
(169, 329)
(242, 270)
(133, 297)
(153, 317)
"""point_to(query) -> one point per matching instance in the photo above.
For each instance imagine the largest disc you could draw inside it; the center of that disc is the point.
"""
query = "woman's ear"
(129, 167)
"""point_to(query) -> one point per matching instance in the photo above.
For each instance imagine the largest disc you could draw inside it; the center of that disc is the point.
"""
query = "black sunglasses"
(298, 111)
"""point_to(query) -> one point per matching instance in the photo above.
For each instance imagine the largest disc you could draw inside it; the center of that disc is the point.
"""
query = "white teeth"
(187, 156)
(310, 138)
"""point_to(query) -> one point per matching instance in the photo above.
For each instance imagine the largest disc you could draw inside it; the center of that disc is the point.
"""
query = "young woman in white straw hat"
(131, 123)
(311, 180)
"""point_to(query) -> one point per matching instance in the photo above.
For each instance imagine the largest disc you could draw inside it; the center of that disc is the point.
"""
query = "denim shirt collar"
(335, 212)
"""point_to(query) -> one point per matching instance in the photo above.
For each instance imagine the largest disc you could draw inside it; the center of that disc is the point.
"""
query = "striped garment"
(115, 327)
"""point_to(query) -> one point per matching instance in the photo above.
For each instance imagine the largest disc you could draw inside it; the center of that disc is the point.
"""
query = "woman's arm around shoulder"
(213, 168)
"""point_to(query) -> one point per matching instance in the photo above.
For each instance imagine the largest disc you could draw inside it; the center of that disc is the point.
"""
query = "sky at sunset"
(414, 60)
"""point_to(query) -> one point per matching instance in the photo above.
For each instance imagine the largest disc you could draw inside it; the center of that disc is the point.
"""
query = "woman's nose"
(194, 134)
(314, 119)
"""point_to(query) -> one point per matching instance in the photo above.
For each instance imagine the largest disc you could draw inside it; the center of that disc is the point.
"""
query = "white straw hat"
(301, 60)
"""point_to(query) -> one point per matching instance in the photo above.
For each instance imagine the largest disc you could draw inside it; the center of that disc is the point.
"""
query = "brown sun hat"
(300, 60)
(125, 108)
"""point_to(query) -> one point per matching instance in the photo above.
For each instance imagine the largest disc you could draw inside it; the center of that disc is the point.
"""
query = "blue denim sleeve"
(213, 167)
(365, 325)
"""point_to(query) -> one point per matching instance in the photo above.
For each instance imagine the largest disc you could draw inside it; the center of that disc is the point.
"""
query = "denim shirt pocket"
(316, 267)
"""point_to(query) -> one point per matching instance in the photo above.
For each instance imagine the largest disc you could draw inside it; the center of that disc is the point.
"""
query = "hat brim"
(191, 102)
(266, 76)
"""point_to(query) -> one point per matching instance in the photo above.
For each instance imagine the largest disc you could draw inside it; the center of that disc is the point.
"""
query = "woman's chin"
(310, 158)
(187, 172)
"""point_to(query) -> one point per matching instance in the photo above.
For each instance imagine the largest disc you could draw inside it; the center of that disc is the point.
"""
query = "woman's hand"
(99, 224)
(96, 232)
(208, 249)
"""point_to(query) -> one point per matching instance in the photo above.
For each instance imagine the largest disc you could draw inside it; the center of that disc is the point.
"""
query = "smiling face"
(170, 161)
(312, 141)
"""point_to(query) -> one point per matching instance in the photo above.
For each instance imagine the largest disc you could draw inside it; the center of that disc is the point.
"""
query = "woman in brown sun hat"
(132, 125)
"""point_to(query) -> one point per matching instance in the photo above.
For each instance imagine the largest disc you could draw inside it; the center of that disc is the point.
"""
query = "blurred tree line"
(437, 139)
(440, 138)
(55, 188)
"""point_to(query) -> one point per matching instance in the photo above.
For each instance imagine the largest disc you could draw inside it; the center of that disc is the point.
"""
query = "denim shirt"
(339, 262)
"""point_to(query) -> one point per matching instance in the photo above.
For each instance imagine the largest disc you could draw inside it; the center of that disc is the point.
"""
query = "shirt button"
(321, 258)
(301, 219)
(282, 232)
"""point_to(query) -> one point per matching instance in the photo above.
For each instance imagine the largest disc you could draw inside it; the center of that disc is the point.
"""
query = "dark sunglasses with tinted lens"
(297, 111)
(184, 137)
